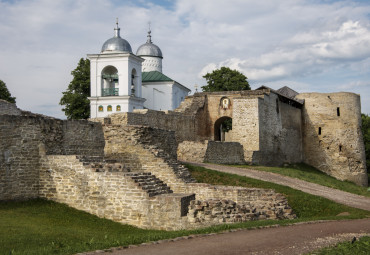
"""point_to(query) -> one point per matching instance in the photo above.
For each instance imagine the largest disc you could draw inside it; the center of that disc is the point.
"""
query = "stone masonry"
(127, 173)
(272, 128)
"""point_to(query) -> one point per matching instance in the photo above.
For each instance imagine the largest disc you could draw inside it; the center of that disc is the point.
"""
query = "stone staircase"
(150, 183)
(180, 170)
(101, 164)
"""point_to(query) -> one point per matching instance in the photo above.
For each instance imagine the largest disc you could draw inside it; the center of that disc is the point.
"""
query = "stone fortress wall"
(273, 129)
(332, 136)
(127, 173)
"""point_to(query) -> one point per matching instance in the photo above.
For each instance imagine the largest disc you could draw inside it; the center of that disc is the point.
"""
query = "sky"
(307, 45)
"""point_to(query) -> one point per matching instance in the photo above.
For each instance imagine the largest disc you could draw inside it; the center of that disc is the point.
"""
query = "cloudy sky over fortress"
(308, 45)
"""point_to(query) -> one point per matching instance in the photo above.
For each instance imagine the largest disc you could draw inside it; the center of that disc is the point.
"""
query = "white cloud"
(292, 41)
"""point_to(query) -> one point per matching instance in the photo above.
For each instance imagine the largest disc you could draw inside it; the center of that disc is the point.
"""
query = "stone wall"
(22, 138)
(224, 153)
(19, 157)
(211, 151)
(246, 125)
(7, 108)
(112, 195)
(190, 151)
(184, 125)
(280, 139)
(332, 137)
(124, 197)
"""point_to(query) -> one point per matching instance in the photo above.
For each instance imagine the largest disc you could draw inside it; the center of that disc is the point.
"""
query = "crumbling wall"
(332, 137)
(7, 108)
(184, 125)
(23, 137)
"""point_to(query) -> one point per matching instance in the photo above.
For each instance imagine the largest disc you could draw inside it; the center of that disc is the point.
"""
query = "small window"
(340, 148)
(100, 108)
(109, 108)
(118, 108)
(277, 105)
(338, 111)
(319, 130)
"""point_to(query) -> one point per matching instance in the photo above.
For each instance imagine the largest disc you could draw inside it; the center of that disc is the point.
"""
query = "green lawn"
(311, 174)
(362, 246)
(45, 227)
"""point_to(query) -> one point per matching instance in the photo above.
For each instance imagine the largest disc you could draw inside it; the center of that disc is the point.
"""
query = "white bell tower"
(115, 78)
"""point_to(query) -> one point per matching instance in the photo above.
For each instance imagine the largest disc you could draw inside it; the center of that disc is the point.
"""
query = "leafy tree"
(5, 94)
(225, 79)
(77, 106)
(366, 134)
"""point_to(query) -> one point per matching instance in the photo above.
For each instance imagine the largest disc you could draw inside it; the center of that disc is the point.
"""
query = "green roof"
(154, 76)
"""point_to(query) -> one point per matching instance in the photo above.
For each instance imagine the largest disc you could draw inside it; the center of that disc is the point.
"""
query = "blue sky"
(310, 46)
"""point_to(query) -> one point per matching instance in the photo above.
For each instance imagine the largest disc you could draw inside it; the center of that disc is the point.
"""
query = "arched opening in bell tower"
(223, 129)
(134, 83)
(109, 81)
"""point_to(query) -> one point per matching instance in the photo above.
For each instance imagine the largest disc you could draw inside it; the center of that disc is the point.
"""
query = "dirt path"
(338, 196)
(296, 239)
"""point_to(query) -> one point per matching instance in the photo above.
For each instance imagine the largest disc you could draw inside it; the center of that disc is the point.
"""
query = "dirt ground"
(295, 239)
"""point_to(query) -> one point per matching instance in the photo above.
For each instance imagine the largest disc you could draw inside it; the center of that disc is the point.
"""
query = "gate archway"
(222, 126)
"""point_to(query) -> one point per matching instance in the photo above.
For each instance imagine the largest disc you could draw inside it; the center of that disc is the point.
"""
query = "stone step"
(150, 183)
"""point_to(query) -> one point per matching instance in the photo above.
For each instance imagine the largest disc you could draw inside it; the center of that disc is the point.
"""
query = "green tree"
(366, 135)
(5, 94)
(225, 79)
(77, 106)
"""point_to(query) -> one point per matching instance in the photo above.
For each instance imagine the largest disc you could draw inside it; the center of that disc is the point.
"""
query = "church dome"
(149, 49)
(116, 43)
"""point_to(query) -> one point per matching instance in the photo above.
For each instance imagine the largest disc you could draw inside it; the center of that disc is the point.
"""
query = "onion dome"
(116, 43)
(149, 49)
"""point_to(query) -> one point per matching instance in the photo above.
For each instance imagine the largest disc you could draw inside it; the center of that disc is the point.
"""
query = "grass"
(45, 227)
(311, 174)
(306, 206)
(362, 246)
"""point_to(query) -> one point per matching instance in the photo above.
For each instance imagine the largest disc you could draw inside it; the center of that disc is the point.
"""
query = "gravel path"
(338, 196)
(295, 239)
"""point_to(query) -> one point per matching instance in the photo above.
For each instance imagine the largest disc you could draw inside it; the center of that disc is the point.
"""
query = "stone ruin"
(126, 167)
(126, 173)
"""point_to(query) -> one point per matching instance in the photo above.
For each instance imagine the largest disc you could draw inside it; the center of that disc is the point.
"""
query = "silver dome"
(116, 43)
(149, 49)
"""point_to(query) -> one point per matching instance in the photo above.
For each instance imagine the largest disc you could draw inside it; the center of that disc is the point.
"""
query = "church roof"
(116, 43)
(149, 49)
(154, 76)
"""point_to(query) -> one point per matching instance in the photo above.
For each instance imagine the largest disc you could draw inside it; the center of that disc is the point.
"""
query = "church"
(122, 81)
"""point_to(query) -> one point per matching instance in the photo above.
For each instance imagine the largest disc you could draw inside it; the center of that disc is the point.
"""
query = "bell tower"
(115, 78)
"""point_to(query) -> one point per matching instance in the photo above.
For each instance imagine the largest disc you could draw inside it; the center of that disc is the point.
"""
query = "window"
(118, 108)
(319, 130)
(338, 111)
(100, 108)
(109, 108)
(340, 148)
(277, 105)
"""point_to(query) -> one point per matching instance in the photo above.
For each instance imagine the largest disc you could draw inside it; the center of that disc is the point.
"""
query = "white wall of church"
(179, 94)
(152, 64)
(163, 96)
(158, 96)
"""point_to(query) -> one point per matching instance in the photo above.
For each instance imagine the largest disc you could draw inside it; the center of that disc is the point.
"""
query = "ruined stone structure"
(125, 167)
(127, 173)
(268, 127)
